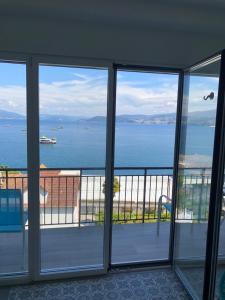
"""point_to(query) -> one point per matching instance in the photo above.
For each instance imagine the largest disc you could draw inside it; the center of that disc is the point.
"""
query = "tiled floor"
(4, 293)
(195, 277)
(160, 284)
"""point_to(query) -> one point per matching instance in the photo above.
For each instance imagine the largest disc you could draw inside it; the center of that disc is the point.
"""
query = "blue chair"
(167, 205)
(11, 210)
(12, 216)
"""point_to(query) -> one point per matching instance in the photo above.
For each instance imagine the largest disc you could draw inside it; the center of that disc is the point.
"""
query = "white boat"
(45, 140)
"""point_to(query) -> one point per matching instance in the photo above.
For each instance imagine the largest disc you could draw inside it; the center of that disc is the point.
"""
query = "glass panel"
(73, 105)
(144, 149)
(220, 270)
(13, 173)
(220, 276)
(194, 177)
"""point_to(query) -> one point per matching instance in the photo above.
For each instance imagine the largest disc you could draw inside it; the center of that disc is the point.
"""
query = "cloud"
(13, 98)
(145, 100)
(86, 95)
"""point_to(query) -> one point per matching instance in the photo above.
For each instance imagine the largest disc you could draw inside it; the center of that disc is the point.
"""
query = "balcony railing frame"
(162, 181)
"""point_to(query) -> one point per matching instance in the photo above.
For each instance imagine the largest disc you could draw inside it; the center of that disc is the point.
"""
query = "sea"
(83, 144)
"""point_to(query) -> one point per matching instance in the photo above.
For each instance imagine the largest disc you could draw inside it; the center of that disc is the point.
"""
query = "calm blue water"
(83, 144)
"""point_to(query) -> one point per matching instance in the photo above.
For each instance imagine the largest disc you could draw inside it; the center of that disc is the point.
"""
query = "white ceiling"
(163, 32)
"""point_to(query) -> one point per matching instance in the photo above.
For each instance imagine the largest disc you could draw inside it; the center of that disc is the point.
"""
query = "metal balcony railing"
(76, 196)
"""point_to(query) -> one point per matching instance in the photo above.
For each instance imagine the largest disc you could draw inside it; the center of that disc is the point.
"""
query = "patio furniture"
(167, 205)
(12, 217)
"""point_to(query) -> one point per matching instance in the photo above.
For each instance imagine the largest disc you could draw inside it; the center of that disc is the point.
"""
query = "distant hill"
(96, 119)
(8, 115)
(59, 118)
(202, 117)
(195, 118)
(148, 119)
(140, 119)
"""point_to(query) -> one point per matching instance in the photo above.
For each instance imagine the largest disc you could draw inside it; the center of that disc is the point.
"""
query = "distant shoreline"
(204, 118)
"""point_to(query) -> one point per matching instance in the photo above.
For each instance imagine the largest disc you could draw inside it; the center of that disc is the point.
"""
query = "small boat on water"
(45, 140)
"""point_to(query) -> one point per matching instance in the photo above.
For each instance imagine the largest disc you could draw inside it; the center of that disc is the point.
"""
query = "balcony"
(72, 216)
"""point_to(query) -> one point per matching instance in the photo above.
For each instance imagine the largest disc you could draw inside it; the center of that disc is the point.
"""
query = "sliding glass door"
(73, 108)
(146, 103)
(195, 172)
(78, 187)
(220, 272)
(13, 170)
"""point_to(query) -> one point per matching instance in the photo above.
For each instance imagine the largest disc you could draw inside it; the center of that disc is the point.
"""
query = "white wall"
(43, 196)
(155, 187)
(56, 216)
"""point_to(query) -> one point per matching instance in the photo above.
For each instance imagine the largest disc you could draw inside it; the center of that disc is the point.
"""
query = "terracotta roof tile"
(60, 190)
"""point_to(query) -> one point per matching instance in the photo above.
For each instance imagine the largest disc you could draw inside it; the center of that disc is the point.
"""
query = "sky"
(83, 92)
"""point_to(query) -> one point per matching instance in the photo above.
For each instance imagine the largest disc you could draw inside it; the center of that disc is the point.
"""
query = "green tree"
(116, 186)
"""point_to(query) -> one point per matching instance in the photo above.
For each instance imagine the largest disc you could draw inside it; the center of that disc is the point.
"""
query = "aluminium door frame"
(187, 286)
(82, 271)
(159, 70)
(19, 277)
(216, 191)
(32, 103)
(32, 62)
(217, 181)
(110, 148)
(176, 163)
(212, 235)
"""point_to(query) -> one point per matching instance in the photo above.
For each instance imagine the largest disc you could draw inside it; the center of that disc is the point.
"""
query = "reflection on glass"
(194, 178)
(145, 131)
(13, 180)
(220, 272)
(73, 105)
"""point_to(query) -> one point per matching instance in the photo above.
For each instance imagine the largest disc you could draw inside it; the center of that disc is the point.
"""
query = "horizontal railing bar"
(119, 175)
(73, 169)
(143, 168)
(12, 169)
(102, 168)
(160, 168)
(126, 168)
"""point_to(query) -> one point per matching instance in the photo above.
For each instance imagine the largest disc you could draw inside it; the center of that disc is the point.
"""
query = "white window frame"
(32, 62)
